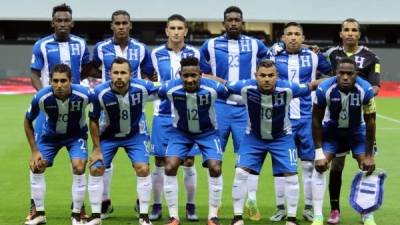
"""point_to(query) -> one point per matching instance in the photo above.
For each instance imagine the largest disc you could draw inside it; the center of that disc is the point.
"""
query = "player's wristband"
(319, 154)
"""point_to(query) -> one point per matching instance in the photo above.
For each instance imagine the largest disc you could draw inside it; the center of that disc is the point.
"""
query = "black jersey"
(368, 65)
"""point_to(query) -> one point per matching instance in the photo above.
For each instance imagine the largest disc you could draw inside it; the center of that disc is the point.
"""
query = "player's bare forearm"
(314, 84)
(35, 79)
(30, 135)
(317, 116)
(370, 132)
(95, 133)
(212, 77)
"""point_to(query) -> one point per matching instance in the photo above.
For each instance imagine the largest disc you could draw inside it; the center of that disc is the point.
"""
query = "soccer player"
(267, 99)
(298, 65)
(166, 60)
(368, 68)
(232, 57)
(63, 105)
(104, 53)
(194, 122)
(61, 47)
(349, 124)
(122, 101)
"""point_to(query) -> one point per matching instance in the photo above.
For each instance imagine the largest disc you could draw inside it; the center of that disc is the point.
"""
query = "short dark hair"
(61, 8)
(189, 61)
(267, 63)
(347, 60)
(233, 9)
(293, 24)
(61, 68)
(120, 12)
(350, 20)
(176, 17)
(120, 60)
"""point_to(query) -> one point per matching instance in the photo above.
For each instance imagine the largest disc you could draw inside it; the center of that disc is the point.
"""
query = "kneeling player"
(349, 124)
(268, 131)
(194, 122)
(63, 104)
(122, 102)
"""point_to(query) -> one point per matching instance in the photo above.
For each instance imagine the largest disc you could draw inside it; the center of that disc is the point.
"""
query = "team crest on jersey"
(75, 106)
(75, 49)
(305, 60)
(367, 191)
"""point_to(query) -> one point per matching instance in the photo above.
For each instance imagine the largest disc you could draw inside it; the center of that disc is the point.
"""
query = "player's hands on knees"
(36, 162)
(368, 164)
(321, 165)
(95, 157)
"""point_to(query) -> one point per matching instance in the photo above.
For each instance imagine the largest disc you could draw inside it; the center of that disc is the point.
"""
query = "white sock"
(158, 184)
(279, 190)
(318, 191)
(308, 168)
(252, 186)
(38, 189)
(292, 194)
(144, 193)
(239, 190)
(107, 182)
(78, 192)
(215, 186)
(95, 189)
(190, 181)
(171, 195)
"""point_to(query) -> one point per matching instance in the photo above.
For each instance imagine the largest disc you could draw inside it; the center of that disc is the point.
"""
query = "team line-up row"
(230, 86)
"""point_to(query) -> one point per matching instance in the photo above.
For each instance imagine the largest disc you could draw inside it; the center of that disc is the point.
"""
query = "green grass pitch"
(15, 193)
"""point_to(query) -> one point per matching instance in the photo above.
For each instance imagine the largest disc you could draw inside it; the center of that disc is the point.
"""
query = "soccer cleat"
(172, 221)
(291, 221)
(156, 212)
(106, 209)
(144, 220)
(191, 212)
(369, 220)
(318, 220)
(94, 219)
(213, 221)
(252, 210)
(36, 218)
(279, 215)
(76, 219)
(237, 220)
(334, 218)
(83, 216)
(308, 213)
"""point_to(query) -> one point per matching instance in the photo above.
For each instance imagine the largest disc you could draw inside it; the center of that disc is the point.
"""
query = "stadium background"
(23, 21)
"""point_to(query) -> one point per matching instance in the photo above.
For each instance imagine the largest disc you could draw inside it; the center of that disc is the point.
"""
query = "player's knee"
(215, 168)
(78, 167)
(97, 171)
(337, 164)
(189, 162)
(142, 170)
(171, 169)
(160, 161)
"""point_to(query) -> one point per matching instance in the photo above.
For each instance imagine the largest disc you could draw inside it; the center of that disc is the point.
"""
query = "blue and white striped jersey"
(136, 53)
(167, 65)
(194, 113)
(230, 59)
(48, 52)
(268, 113)
(122, 113)
(345, 110)
(62, 117)
(300, 68)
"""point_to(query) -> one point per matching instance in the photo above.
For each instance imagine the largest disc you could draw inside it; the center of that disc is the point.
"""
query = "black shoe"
(237, 220)
(156, 212)
(213, 221)
(191, 213)
(106, 209)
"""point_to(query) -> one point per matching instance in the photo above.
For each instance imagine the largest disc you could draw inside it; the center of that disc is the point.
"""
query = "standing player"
(63, 105)
(122, 101)
(166, 60)
(368, 68)
(61, 47)
(349, 124)
(194, 122)
(104, 53)
(298, 65)
(232, 57)
(268, 130)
